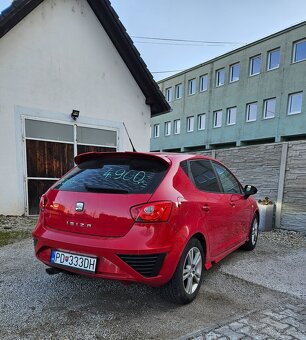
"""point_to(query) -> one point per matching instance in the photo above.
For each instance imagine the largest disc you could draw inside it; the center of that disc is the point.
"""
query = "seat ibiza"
(159, 219)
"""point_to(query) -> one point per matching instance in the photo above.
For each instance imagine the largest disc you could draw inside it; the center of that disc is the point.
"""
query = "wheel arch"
(199, 236)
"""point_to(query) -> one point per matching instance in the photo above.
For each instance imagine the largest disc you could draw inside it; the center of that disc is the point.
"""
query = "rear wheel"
(253, 235)
(186, 281)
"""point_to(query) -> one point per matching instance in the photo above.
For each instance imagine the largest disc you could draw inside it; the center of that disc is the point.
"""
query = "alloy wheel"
(254, 231)
(192, 270)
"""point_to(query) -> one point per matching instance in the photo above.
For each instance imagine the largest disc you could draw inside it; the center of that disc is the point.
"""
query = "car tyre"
(188, 276)
(253, 235)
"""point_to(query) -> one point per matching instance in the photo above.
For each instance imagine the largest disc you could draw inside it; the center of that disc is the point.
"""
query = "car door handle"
(233, 204)
(205, 207)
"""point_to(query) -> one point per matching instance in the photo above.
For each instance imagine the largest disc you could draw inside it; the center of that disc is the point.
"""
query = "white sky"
(241, 21)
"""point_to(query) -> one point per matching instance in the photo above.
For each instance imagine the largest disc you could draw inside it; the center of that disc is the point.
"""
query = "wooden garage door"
(46, 162)
(50, 151)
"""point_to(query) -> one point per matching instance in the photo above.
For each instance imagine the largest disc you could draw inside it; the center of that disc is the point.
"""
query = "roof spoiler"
(83, 157)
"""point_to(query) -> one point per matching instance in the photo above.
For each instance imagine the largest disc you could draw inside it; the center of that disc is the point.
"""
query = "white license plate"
(85, 263)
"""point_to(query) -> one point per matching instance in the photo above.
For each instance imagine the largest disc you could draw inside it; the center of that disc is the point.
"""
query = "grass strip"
(9, 236)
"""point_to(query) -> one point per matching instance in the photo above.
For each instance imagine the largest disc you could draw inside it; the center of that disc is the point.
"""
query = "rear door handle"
(233, 204)
(205, 207)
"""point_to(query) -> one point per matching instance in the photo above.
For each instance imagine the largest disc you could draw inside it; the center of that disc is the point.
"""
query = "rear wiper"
(93, 188)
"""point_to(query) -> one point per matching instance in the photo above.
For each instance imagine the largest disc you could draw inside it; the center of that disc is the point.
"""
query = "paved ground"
(250, 295)
(288, 322)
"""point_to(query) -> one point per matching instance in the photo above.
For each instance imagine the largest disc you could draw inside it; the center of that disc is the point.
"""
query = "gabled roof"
(119, 37)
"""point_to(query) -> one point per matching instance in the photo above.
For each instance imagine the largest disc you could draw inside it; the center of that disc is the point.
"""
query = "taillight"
(43, 202)
(152, 212)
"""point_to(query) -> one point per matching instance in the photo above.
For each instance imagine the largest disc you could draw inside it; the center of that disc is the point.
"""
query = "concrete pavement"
(249, 295)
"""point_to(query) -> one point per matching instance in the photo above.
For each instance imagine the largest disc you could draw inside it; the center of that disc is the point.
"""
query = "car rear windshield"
(115, 175)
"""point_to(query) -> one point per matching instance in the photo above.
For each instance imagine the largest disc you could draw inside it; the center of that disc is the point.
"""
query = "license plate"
(85, 263)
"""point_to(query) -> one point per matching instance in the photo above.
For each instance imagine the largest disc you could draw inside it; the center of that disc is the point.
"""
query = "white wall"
(57, 59)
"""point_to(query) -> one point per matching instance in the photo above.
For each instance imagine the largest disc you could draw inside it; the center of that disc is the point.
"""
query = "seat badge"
(79, 206)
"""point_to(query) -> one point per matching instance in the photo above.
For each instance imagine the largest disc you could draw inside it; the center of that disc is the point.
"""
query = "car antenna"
(134, 150)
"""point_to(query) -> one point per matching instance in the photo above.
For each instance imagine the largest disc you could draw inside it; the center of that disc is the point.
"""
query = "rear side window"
(204, 176)
(115, 175)
(229, 183)
(184, 166)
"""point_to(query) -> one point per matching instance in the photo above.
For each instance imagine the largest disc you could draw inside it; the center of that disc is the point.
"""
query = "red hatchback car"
(154, 218)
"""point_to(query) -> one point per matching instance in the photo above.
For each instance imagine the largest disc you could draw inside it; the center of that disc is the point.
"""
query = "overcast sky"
(231, 22)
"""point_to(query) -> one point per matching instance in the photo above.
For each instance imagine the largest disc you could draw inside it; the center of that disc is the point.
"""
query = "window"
(204, 83)
(100, 175)
(234, 72)
(228, 181)
(201, 121)
(231, 115)
(204, 176)
(169, 94)
(251, 112)
(167, 128)
(217, 118)
(269, 108)
(295, 103)
(191, 86)
(273, 59)
(156, 130)
(177, 126)
(220, 77)
(190, 124)
(255, 64)
(178, 91)
(299, 51)
(184, 166)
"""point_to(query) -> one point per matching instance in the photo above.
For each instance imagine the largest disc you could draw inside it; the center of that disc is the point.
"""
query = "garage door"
(50, 149)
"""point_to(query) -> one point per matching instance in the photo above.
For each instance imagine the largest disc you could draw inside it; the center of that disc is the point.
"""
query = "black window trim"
(214, 171)
(212, 162)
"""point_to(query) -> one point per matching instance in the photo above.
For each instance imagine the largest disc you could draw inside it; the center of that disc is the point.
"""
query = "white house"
(57, 56)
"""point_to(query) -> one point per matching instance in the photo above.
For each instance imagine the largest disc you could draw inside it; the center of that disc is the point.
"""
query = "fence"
(278, 171)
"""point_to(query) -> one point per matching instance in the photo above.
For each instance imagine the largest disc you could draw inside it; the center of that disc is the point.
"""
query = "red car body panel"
(62, 214)
(106, 229)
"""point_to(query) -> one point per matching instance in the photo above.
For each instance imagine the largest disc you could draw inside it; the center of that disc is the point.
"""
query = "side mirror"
(249, 190)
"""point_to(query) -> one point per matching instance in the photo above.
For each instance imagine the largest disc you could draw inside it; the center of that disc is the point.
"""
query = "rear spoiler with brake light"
(83, 157)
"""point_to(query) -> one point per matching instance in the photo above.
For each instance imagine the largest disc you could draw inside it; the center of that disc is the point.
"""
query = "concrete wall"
(57, 59)
(260, 165)
(294, 202)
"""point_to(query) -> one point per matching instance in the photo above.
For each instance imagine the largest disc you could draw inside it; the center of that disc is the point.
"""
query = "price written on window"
(134, 176)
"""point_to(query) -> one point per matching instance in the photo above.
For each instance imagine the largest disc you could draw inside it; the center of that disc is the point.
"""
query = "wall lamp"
(75, 114)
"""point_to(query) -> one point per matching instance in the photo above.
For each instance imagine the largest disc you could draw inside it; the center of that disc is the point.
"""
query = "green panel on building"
(254, 94)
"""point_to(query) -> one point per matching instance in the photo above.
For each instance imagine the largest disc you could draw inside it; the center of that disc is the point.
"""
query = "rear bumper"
(120, 258)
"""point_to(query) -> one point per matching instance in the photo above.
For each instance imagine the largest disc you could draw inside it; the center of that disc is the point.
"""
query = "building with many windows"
(254, 94)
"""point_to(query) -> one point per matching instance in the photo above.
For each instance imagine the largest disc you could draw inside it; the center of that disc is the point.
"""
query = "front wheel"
(253, 235)
(186, 281)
